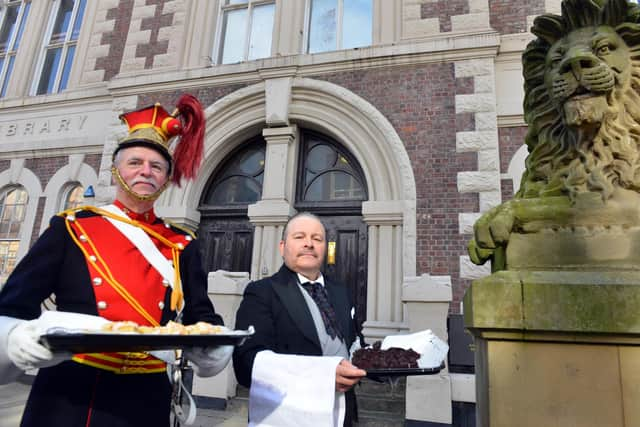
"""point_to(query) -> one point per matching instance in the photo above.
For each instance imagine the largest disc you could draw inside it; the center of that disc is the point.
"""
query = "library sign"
(43, 127)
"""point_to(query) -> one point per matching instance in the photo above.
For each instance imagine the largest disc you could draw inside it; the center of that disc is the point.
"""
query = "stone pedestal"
(426, 299)
(225, 291)
(556, 348)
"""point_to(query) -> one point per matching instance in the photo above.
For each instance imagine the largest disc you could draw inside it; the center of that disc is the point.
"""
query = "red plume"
(189, 151)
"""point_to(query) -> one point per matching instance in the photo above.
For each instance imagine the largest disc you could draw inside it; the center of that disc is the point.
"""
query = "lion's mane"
(558, 162)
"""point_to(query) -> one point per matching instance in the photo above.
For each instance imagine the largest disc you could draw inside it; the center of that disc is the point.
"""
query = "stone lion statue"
(582, 108)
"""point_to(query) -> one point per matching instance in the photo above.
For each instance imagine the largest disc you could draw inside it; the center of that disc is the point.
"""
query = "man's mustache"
(312, 253)
(145, 181)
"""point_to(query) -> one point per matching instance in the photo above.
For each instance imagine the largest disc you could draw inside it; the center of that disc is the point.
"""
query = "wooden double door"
(329, 184)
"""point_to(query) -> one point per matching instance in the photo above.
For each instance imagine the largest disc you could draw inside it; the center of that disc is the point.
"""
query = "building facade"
(399, 122)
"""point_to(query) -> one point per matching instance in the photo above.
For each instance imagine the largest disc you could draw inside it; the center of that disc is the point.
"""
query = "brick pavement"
(13, 397)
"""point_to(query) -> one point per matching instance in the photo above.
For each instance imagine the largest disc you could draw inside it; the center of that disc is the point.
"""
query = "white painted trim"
(18, 175)
(85, 175)
(463, 387)
(517, 166)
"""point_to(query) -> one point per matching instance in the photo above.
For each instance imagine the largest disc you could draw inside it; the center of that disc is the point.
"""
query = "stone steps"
(379, 404)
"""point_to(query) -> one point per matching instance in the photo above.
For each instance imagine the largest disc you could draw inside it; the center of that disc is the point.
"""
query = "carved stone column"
(271, 213)
(384, 271)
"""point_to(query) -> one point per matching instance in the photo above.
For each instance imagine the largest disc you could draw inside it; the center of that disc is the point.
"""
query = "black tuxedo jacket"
(277, 310)
(283, 323)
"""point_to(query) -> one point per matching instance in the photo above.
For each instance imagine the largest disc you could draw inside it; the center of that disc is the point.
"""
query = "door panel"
(226, 244)
(350, 235)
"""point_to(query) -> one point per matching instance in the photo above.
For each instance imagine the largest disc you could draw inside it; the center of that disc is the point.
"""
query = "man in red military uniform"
(122, 263)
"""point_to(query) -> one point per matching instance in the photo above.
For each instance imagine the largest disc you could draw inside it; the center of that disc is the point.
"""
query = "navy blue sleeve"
(198, 306)
(36, 276)
(255, 310)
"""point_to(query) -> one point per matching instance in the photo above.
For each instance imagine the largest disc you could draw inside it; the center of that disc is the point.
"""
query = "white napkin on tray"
(432, 349)
(51, 320)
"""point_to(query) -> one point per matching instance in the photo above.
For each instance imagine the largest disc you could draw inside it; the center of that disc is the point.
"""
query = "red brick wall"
(207, 96)
(93, 160)
(46, 167)
(509, 16)
(115, 39)
(154, 24)
(443, 10)
(422, 111)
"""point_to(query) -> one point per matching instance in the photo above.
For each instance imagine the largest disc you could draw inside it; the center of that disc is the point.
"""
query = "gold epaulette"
(73, 211)
(180, 227)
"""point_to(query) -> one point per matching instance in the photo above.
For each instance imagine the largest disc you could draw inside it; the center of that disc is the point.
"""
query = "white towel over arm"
(289, 390)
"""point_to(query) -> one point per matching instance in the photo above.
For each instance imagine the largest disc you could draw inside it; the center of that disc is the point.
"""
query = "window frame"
(66, 193)
(5, 192)
(45, 46)
(218, 50)
(339, 28)
(11, 51)
(336, 207)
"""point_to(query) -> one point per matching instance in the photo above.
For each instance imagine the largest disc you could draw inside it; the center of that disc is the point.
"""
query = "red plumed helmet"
(155, 128)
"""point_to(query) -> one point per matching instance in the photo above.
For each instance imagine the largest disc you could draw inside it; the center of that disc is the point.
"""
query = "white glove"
(26, 352)
(209, 361)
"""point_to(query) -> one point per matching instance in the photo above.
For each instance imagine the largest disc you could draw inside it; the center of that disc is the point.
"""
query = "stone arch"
(367, 134)
(17, 174)
(76, 171)
(229, 121)
(517, 167)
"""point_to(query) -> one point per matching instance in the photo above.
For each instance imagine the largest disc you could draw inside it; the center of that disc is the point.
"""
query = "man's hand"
(26, 352)
(209, 361)
(347, 375)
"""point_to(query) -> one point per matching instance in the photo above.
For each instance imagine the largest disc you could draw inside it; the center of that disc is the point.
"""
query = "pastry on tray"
(392, 358)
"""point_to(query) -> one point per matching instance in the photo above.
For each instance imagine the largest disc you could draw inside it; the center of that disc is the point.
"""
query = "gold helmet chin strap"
(141, 197)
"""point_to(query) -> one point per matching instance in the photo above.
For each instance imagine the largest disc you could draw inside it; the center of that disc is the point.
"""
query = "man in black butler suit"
(291, 320)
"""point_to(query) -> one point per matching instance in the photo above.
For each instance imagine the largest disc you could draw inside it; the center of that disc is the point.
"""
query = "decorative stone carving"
(580, 190)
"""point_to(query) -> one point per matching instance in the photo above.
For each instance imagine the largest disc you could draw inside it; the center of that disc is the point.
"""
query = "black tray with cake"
(390, 362)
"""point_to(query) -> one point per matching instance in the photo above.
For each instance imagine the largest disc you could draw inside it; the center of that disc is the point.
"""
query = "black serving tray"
(379, 374)
(82, 342)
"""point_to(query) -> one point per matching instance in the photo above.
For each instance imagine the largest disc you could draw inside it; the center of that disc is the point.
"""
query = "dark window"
(225, 233)
(328, 175)
(239, 182)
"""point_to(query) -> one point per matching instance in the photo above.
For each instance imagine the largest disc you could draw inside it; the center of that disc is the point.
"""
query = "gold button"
(102, 305)
(161, 305)
(167, 225)
(180, 246)
(71, 218)
(97, 281)
(165, 282)
(92, 258)
(83, 238)
(188, 238)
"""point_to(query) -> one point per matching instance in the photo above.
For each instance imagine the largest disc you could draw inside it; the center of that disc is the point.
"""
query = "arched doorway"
(389, 211)
(330, 184)
(225, 233)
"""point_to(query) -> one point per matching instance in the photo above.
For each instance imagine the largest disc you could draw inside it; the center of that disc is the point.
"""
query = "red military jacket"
(92, 268)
